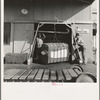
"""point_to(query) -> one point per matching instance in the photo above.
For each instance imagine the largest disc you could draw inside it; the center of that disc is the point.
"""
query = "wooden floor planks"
(19, 74)
(77, 71)
(46, 75)
(72, 73)
(65, 75)
(32, 75)
(10, 73)
(25, 75)
(60, 75)
(53, 76)
(38, 77)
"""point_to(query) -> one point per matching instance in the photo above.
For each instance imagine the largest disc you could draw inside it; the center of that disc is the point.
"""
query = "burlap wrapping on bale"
(16, 58)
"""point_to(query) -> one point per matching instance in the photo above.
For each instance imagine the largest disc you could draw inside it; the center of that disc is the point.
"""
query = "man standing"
(39, 42)
(80, 46)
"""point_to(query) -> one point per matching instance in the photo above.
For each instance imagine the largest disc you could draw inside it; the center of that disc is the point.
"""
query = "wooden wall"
(46, 10)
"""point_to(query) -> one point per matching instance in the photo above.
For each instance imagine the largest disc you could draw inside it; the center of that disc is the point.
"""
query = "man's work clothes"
(39, 43)
(81, 47)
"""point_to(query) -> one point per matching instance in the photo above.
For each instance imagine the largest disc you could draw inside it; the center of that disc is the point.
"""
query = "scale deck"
(40, 75)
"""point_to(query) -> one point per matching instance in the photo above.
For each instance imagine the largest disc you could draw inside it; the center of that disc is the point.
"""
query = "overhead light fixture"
(24, 11)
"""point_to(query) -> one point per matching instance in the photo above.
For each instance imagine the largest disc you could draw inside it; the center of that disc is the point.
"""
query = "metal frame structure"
(40, 24)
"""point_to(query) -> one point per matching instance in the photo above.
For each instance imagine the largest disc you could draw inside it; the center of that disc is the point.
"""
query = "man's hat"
(41, 36)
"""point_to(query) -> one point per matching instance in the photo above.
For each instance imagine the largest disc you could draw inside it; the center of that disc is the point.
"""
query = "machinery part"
(77, 67)
(86, 77)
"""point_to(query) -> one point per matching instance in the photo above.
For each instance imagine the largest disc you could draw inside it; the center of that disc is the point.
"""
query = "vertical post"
(12, 38)
(34, 40)
(32, 47)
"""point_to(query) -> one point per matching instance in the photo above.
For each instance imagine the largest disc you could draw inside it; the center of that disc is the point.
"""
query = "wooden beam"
(86, 1)
(52, 32)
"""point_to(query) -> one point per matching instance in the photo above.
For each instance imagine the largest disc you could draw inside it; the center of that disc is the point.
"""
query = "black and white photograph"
(50, 41)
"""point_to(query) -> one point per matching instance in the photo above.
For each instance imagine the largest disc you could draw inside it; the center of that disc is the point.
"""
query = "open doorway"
(55, 34)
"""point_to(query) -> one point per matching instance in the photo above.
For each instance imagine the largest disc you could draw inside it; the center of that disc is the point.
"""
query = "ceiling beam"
(87, 1)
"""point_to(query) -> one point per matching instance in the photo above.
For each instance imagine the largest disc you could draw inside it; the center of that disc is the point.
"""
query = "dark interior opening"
(55, 33)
